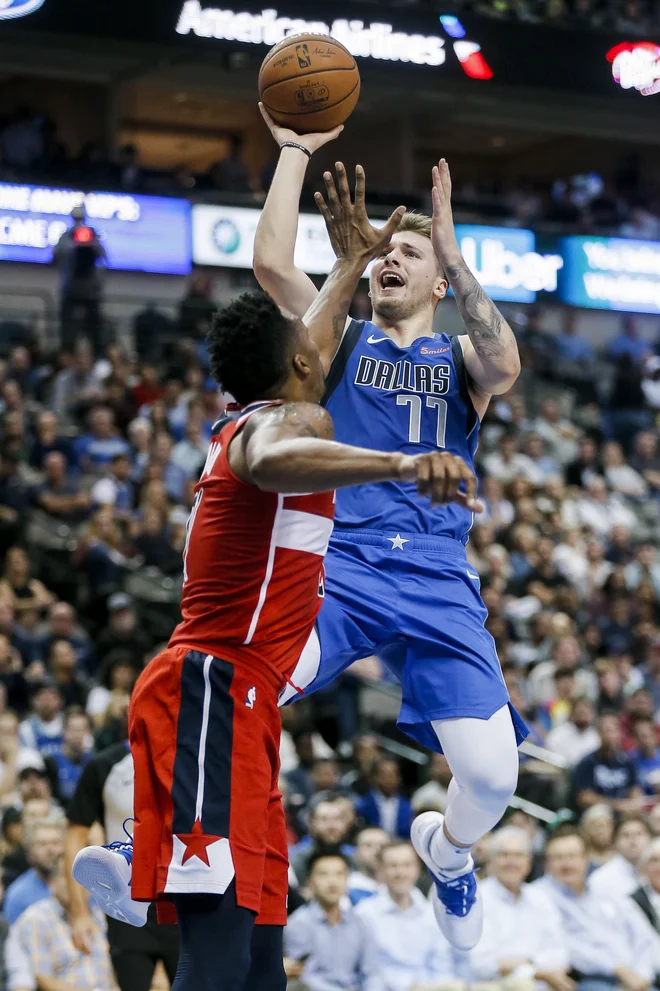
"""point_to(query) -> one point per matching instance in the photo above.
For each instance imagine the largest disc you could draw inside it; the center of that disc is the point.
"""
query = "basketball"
(309, 82)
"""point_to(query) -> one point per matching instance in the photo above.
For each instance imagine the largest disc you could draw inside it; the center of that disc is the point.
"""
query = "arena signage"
(506, 263)
(636, 65)
(9, 9)
(376, 40)
(142, 233)
(611, 274)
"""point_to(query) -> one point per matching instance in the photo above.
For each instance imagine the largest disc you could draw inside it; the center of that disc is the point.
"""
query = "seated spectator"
(115, 488)
(571, 346)
(43, 729)
(118, 674)
(601, 510)
(63, 669)
(197, 309)
(620, 875)
(609, 941)
(230, 174)
(559, 434)
(523, 936)
(26, 594)
(508, 463)
(362, 882)
(328, 947)
(48, 439)
(62, 625)
(597, 828)
(172, 474)
(577, 736)
(384, 805)
(645, 459)
(105, 554)
(619, 475)
(190, 454)
(13, 756)
(77, 384)
(647, 896)
(61, 496)
(44, 933)
(14, 493)
(647, 756)
(644, 568)
(628, 342)
(102, 443)
(608, 775)
(45, 849)
(154, 546)
(412, 953)
(75, 752)
(586, 465)
(12, 677)
(122, 631)
(432, 796)
(366, 754)
(14, 858)
(327, 829)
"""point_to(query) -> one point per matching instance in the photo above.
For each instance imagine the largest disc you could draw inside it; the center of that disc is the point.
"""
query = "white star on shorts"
(398, 541)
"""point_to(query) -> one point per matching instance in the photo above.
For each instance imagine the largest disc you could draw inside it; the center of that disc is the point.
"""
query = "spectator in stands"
(12, 677)
(60, 495)
(619, 476)
(620, 875)
(326, 946)
(21, 141)
(43, 729)
(523, 936)
(602, 510)
(647, 756)
(586, 465)
(608, 775)
(115, 488)
(45, 847)
(190, 454)
(559, 434)
(597, 828)
(432, 796)
(640, 224)
(230, 174)
(363, 882)
(62, 625)
(327, 830)
(172, 474)
(645, 459)
(197, 309)
(577, 736)
(384, 805)
(79, 256)
(609, 941)
(77, 385)
(116, 677)
(102, 443)
(13, 499)
(26, 594)
(122, 631)
(508, 463)
(74, 753)
(152, 331)
(45, 935)
(412, 954)
(48, 438)
(63, 669)
(647, 895)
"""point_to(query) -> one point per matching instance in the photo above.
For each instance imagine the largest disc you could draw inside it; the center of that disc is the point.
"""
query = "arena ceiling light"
(636, 65)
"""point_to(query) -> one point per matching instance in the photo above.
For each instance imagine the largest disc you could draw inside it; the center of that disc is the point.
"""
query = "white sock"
(445, 854)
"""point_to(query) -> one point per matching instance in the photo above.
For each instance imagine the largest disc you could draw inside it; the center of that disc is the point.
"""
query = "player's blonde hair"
(416, 223)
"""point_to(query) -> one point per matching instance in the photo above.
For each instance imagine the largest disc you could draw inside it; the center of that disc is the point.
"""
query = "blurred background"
(133, 165)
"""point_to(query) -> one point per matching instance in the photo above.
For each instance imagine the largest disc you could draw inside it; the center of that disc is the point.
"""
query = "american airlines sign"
(375, 40)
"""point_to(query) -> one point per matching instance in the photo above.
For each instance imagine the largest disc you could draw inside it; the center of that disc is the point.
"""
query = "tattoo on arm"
(339, 320)
(482, 319)
(303, 420)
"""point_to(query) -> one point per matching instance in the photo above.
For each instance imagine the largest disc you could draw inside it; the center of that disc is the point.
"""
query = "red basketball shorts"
(205, 742)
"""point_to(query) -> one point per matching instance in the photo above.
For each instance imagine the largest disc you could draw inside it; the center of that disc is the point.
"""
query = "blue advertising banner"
(141, 233)
(611, 273)
(506, 263)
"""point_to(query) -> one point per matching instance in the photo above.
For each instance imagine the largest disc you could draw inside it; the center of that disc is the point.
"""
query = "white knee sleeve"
(483, 758)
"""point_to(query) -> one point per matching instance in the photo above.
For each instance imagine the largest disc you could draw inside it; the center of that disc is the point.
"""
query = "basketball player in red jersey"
(204, 724)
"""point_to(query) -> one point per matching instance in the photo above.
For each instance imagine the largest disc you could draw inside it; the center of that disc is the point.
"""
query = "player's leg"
(216, 934)
(168, 950)
(133, 953)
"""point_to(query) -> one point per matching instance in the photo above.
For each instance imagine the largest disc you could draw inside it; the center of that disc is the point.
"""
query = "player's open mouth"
(391, 280)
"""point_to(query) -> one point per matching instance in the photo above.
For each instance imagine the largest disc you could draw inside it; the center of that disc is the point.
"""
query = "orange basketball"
(309, 82)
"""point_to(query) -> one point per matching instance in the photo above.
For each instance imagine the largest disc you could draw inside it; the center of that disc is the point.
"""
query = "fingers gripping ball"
(309, 83)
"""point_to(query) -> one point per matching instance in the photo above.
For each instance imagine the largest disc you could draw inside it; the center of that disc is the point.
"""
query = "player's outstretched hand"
(312, 142)
(350, 231)
(443, 477)
(443, 233)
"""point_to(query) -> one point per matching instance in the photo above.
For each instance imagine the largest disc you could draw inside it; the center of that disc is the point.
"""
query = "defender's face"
(308, 351)
(406, 277)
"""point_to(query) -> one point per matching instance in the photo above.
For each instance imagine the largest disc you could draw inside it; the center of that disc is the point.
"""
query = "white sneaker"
(456, 899)
(105, 871)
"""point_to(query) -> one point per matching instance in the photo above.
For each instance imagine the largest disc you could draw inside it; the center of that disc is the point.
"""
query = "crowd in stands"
(626, 203)
(98, 462)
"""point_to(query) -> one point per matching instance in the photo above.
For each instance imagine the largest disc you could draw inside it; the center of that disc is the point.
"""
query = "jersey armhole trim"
(463, 387)
(338, 367)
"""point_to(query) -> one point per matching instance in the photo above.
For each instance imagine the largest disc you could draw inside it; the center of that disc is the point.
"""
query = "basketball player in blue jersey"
(397, 581)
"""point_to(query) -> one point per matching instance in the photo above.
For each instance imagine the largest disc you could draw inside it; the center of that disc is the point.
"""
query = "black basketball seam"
(287, 79)
(291, 40)
(314, 110)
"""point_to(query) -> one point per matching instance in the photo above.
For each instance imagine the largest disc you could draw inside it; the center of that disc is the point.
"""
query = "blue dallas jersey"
(413, 400)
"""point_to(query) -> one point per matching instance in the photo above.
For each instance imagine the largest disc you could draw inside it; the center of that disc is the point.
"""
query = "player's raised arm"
(275, 240)
(491, 354)
(289, 449)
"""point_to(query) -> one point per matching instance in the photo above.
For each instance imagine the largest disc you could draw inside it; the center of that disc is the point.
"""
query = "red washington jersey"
(253, 567)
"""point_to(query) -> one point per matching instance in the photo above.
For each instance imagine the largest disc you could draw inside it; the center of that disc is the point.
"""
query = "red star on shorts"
(196, 843)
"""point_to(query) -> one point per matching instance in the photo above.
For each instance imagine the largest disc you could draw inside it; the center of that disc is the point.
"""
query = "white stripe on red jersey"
(253, 567)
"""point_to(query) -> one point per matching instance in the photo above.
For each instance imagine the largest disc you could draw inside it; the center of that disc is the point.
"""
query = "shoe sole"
(94, 868)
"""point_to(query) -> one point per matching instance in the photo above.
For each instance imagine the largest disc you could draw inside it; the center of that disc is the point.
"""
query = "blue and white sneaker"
(105, 871)
(455, 897)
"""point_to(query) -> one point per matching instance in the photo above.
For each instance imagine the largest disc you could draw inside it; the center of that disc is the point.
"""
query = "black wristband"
(294, 144)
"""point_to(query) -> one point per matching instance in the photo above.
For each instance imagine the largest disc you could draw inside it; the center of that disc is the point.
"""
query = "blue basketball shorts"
(414, 601)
